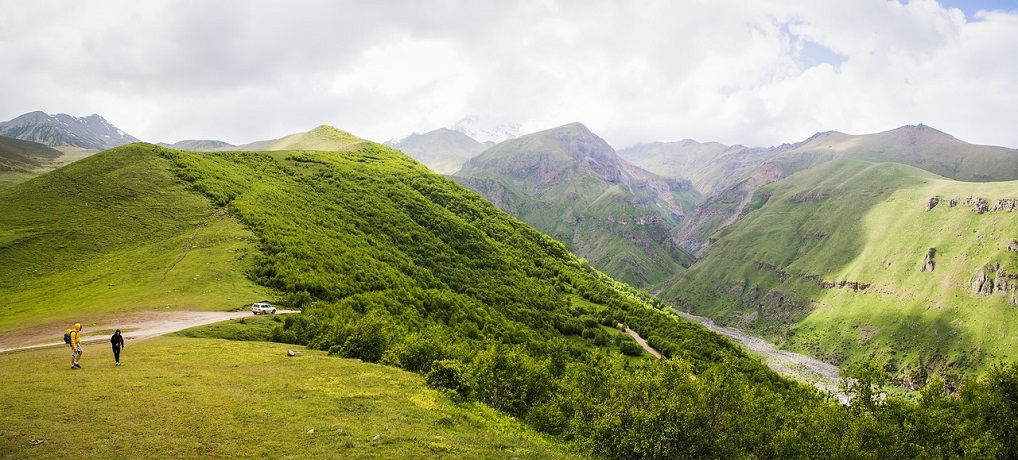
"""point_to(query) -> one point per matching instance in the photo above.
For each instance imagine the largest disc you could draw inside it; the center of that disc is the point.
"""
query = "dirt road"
(134, 326)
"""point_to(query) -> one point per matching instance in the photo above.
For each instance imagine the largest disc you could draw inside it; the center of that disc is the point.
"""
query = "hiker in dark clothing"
(118, 342)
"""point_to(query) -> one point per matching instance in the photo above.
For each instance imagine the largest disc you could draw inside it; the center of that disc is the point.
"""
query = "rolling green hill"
(570, 184)
(394, 264)
(852, 259)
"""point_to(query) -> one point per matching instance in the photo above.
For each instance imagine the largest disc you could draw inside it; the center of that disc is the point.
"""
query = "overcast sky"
(758, 73)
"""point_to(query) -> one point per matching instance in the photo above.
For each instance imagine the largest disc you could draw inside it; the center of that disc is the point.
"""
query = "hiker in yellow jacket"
(76, 346)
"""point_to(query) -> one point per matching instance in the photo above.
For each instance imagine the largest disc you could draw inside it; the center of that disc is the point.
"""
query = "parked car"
(262, 308)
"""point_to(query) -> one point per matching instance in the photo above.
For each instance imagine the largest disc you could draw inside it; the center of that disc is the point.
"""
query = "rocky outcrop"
(1005, 204)
(928, 264)
(991, 279)
(783, 276)
(979, 205)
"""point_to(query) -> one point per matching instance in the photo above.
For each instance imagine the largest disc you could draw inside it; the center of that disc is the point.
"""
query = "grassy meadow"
(177, 397)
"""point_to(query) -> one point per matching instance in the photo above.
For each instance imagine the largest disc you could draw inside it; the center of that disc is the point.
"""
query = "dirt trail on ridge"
(133, 326)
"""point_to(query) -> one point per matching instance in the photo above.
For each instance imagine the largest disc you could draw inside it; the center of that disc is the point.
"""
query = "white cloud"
(759, 74)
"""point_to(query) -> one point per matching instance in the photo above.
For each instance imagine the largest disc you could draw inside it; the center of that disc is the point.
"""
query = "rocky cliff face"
(722, 210)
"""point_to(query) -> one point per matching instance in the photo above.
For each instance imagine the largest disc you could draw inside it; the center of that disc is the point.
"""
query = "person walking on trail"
(118, 342)
(76, 346)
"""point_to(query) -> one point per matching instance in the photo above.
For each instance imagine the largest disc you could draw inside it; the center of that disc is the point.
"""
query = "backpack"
(67, 336)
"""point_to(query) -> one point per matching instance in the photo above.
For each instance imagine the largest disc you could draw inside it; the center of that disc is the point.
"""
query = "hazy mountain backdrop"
(443, 150)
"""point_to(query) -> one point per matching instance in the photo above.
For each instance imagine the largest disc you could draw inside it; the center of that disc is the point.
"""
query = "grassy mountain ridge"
(570, 184)
(830, 261)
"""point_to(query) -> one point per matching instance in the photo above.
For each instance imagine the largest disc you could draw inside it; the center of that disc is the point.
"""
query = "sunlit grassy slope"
(830, 262)
(113, 233)
(208, 398)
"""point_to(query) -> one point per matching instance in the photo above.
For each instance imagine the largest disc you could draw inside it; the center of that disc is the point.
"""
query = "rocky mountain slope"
(91, 132)
(569, 183)
(710, 166)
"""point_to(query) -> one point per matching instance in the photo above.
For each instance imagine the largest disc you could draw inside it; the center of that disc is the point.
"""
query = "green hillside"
(114, 233)
(570, 184)
(830, 261)
(393, 264)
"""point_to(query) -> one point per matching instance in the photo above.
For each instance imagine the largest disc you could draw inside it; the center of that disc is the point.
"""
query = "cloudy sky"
(758, 73)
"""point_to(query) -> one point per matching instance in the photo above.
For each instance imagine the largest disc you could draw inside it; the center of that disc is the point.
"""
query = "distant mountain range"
(485, 131)
(198, 145)
(92, 132)
(443, 150)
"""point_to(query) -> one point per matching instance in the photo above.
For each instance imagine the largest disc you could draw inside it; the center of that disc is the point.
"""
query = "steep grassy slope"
(204, 398)
(833, 261)
(113, 233)
(570, 184)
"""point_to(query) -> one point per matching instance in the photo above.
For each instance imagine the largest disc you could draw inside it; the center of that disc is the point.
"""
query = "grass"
(177, 397)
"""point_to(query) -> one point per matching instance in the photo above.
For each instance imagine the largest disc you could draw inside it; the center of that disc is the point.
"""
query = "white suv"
(262, 308)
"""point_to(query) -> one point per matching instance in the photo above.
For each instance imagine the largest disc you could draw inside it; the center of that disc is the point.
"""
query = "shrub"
(448, 376)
